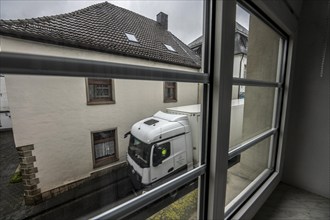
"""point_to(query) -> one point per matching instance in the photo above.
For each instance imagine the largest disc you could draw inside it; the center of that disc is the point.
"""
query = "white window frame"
(221, 17)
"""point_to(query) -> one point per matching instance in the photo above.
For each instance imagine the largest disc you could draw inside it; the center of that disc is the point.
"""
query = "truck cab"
(159, 146)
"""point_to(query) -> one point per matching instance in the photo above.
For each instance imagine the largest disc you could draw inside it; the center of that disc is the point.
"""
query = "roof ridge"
(47, 18)
(137, 14)
(64, 15)
(180, 43)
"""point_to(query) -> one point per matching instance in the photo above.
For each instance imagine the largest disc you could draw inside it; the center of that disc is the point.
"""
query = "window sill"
(105, 161)
(101, 102)
(99, 171)
(170, 101)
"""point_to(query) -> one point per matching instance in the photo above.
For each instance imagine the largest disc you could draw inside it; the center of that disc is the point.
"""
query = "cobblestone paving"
(11, 196)
(69, 205)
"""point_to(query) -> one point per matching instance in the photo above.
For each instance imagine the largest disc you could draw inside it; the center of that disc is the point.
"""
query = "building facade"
(240, 56)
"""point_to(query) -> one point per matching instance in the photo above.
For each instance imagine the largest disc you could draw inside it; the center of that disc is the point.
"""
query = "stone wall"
(32, 194)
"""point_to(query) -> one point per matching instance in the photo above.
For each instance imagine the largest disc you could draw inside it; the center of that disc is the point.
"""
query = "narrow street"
(88, 199)
(84, 199)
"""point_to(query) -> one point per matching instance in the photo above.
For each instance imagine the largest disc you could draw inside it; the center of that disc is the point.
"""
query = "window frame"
(170, 48)
(100, 101)
(219, 28)
(109, 159)
(273, 132)
(168, 99)
(131, 38)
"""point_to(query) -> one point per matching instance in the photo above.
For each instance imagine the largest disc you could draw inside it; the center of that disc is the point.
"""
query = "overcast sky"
(184, 16)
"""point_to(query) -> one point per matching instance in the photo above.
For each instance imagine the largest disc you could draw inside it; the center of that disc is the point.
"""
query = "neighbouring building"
(67, 129)
(240, 56)
(5, 117)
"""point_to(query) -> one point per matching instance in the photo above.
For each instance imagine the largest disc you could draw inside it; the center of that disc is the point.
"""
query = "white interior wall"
(307, 150)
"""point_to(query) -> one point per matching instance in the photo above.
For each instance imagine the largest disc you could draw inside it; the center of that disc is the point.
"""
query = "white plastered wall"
(307, 159)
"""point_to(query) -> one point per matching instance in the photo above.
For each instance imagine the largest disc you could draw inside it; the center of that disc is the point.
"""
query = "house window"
(131, 37)
(170, 92)
(104, 146)
(170, 48)
(100, 91)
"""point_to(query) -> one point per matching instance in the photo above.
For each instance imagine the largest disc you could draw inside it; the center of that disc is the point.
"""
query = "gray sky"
(184, 16)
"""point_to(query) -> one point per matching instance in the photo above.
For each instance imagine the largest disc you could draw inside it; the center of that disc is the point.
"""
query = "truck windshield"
(139, 151)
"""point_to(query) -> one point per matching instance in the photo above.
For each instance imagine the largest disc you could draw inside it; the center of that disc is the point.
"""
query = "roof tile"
(102, 27)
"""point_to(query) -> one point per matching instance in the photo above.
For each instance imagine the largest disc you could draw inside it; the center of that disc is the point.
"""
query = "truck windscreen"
(139, 152)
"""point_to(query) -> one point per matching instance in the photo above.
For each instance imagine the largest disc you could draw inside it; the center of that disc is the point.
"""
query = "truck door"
(162, 162)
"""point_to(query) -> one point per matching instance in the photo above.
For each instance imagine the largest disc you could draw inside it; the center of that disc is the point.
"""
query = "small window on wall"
(170, 92)
(104, 146)
(100, 91)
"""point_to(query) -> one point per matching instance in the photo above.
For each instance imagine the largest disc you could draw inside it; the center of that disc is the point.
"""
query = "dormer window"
(170, 48)
(131, 38)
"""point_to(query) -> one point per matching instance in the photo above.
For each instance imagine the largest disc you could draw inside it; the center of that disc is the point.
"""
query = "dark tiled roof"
(102, 27)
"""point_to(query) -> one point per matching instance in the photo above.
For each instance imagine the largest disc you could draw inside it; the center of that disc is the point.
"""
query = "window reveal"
(100, 91)
(104, 147)
(170, 92)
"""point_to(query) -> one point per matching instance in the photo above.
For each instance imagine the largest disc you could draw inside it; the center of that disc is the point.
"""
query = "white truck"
(164, 144)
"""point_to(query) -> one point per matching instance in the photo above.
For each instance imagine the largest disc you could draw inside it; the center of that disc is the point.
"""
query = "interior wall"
(307, 151)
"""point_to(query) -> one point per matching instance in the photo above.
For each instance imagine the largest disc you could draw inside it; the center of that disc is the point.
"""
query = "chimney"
(162, 19)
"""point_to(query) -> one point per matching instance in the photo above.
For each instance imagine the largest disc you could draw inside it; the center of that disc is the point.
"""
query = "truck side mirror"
(128, 133)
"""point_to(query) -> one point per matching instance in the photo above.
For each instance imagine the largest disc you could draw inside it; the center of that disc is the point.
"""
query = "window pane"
(170, 92)
(74, 140)
(80, 149)
(258, 48)
(104, 149)
(99, 91)
(252, 114)
(252, 163)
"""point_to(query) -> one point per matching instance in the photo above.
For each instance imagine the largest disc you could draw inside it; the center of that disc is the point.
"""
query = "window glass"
(131, 37)
(253, 114)
(139, 151)
(170, 48)
(252, 163)
(104, 146)
(113, 78)
(261, 62)
(170, 92)
(78, 148)
(160, 153)
(100, 91)
(257, 59)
